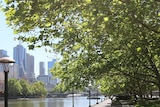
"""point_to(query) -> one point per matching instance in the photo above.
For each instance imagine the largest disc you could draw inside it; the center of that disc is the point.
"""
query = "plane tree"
(95, 38)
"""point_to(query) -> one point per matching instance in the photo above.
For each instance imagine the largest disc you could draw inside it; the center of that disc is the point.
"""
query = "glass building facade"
(19, 55)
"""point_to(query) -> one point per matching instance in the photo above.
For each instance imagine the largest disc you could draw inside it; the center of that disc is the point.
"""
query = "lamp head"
(5, 62)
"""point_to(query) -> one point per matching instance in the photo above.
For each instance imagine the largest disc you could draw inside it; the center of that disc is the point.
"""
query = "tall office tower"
(19, 55)
(30, 67)
(51, 64)
(53, 80)
(41, 68)
(3, 53)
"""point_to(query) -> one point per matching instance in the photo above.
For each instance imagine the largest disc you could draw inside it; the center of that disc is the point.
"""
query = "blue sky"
(7, 43)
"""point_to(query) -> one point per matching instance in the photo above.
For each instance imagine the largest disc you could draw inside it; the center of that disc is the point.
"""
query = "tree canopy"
(96, 38)
(23, 88)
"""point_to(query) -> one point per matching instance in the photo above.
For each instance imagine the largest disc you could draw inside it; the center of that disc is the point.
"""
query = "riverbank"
(20, 97)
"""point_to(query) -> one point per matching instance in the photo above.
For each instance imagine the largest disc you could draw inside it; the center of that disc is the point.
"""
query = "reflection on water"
(50, 102)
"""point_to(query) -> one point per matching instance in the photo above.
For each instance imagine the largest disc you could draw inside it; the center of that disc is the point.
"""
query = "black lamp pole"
(89, 98)
(97, 96)
(89, 87)
(73, 96)
(6, 89)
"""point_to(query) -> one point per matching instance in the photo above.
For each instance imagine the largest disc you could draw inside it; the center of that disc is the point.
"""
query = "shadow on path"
(116, 104)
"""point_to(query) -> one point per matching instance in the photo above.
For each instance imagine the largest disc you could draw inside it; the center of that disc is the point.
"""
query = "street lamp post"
(89, 94)
(5, 62)
(73, 96)
(97, 93)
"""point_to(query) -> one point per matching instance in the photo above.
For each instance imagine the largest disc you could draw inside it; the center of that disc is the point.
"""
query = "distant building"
(3, 53)
(19, 55)
(30, 75)
(53, 80)
(48, 79)
(13, 70)
(43, 78)
(51, 64)
(41, 68)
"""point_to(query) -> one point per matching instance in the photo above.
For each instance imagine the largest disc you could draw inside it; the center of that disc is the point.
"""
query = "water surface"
(50, 102)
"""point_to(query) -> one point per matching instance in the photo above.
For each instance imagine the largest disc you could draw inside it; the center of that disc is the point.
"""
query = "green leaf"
(105, 19)
(15, 32)
(138, 49)
(48, 24)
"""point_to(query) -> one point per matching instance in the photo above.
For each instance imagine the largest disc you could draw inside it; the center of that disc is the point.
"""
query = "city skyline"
(7, 43)
(46, 64)
(23, 68)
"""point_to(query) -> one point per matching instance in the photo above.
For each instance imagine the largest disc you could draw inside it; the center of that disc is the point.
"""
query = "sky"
(7, 43)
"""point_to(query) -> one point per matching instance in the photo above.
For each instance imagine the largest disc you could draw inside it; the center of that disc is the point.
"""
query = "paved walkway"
(108, 103)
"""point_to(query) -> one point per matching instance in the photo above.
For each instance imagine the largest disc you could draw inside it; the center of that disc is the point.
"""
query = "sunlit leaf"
(106, 19)
(138, 49)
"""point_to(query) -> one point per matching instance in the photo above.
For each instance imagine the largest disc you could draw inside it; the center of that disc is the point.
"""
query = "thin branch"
(146, 26)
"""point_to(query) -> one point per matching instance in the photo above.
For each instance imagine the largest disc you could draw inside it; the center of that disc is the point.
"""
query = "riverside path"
(108, 103)
(105, 103)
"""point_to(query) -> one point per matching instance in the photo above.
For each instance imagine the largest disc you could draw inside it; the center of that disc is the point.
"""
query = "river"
(50, 102)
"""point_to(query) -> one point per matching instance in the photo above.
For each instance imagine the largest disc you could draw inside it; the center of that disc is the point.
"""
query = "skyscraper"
(41, 68)
(51, 64)
(19, 55)
(3, 53)
(53, 80)
(30, 67)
